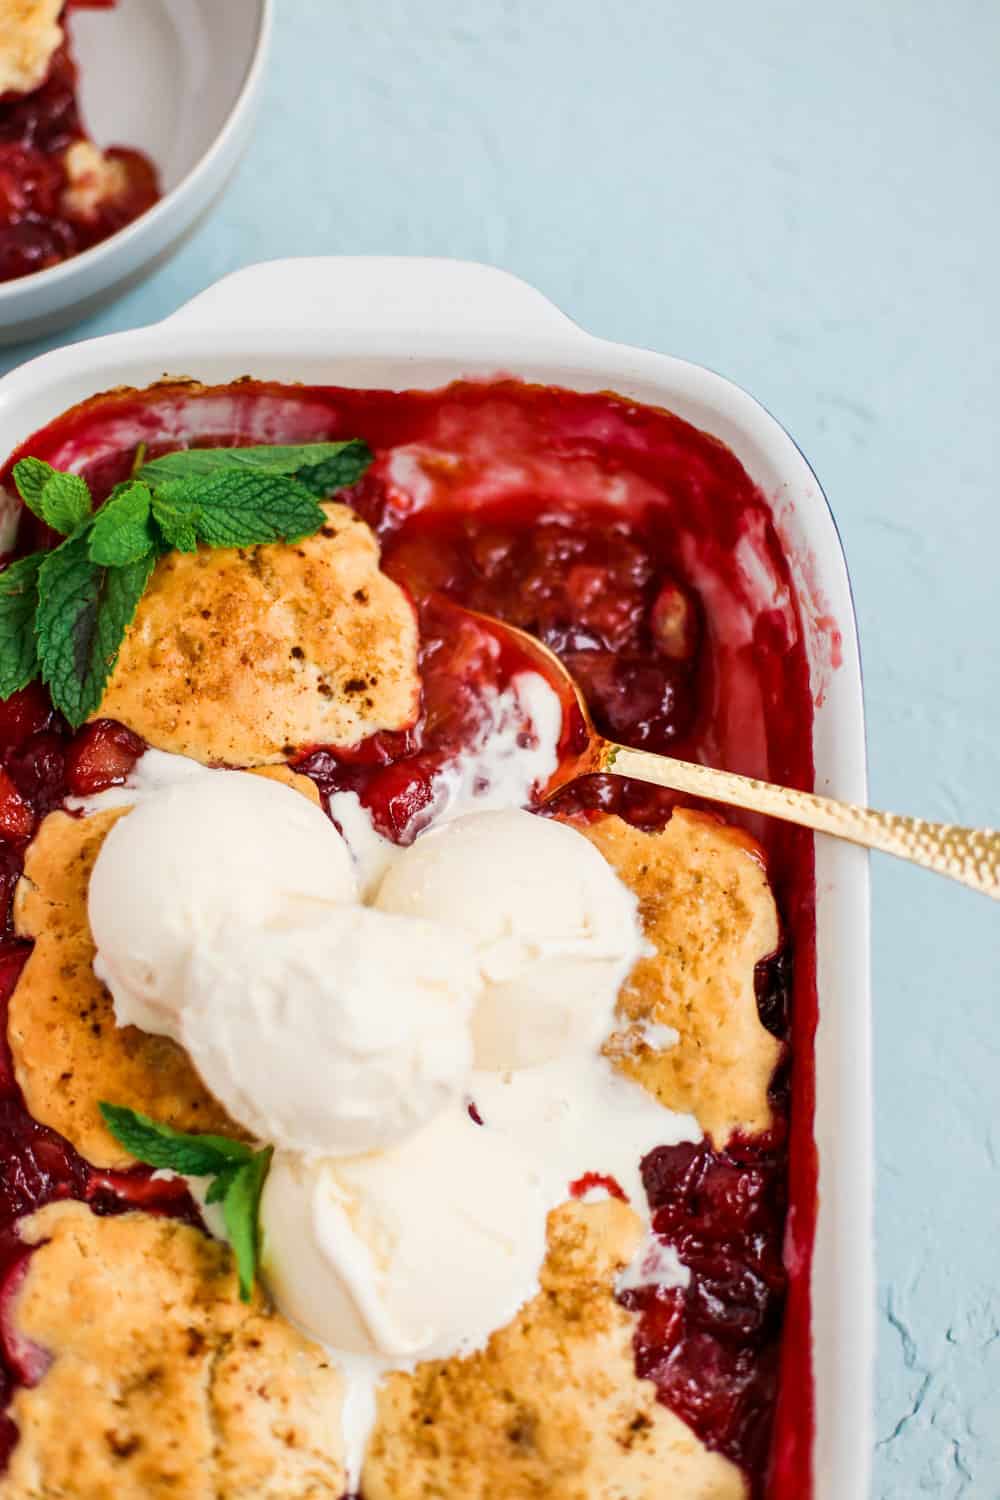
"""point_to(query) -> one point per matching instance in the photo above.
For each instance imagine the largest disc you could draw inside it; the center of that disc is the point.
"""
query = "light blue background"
(804, 198)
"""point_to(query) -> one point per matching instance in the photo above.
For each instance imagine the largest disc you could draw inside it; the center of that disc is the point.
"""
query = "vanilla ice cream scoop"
(335, 1032)
(554, 929)
(189, 860)
(415, 1253)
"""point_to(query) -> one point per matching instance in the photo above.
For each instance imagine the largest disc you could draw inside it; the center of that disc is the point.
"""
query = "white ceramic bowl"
(407, 323)
(178, 79)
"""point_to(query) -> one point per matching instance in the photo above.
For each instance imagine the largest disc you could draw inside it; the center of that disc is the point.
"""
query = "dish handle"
(376, 294)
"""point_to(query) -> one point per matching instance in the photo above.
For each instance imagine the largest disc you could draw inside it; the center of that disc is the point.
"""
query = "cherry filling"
(36, 230)
(591, 588)
(42, 764)
(462, 663)
(594, 590)
(712, 1347)
(634, 546)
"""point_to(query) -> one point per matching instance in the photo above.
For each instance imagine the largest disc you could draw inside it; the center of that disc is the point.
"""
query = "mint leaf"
(338, 470)
(18, 604)
(241, 1212)
(162, 1146)
(177, 522)
(31, 475)
(66, 503)
(243, 509)
(62, 501)
(220, 1185)
(121, 531)
(83, 613)
(201, 463)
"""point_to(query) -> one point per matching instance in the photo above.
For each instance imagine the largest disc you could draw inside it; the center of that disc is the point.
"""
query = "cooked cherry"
(22, 715)
(662, 1325)
(101, 755)
(30, 183)
(727, 1298)
(633, 699)
(26, 1359)
(110, 1193)
(672, 1173)
(396, 795)
(38, 770)
(39, 1165)
(773, 986)
(16, 817)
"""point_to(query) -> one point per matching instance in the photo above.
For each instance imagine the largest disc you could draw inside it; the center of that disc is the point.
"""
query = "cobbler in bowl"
(368, 1123)
(59, 192)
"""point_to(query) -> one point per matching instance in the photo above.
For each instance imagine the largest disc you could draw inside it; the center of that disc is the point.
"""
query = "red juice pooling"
(638, 549)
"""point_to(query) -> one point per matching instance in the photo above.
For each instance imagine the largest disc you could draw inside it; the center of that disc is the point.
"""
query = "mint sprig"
(64, 613)
(237, 1170)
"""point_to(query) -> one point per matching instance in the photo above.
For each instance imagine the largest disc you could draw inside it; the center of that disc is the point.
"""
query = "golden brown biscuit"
(29, 35)
(68, 1051)
(243, 656)
(706, 907)
(552, 1408)
(162, 1383)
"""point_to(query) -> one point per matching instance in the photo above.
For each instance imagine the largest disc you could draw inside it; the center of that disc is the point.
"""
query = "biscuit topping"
(247, 656)
(159, 1380)
(29, 36)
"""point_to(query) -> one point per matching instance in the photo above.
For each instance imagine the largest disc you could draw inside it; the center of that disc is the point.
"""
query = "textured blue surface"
(803, 198)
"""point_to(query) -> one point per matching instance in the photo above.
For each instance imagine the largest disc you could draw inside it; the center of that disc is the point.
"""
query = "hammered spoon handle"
(970, 855)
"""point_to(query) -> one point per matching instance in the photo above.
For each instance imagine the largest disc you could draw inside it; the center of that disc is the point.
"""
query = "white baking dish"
(398, 323)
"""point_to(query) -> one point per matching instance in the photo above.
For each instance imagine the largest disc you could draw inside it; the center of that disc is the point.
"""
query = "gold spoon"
(970, 855)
